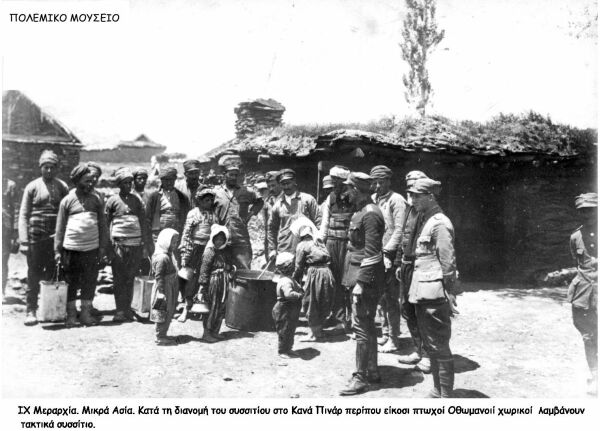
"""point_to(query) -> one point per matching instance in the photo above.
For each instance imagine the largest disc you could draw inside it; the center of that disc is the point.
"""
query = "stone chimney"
(257, 115)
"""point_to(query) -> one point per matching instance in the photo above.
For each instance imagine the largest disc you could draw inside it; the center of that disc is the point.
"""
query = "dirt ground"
(508, 342)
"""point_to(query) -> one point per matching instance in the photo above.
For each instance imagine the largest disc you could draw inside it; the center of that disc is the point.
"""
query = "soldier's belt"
(367, 261)
(337, 234)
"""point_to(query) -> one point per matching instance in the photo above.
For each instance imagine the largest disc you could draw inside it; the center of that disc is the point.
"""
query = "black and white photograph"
(300, 199)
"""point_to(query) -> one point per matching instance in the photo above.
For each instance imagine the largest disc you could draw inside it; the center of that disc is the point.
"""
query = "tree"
(420, 35)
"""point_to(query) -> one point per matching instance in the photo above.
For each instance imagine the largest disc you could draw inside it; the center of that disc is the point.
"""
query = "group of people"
(364, 248)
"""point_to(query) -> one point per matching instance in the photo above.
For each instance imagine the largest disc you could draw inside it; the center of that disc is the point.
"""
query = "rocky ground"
(508, 341)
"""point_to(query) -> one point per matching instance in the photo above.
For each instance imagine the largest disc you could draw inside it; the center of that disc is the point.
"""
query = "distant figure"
(8, 225)
(583, 291)
(37, 225)
(154, 167)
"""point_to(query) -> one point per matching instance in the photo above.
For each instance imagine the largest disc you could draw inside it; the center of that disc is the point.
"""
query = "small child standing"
(164, 293)
(286, 311)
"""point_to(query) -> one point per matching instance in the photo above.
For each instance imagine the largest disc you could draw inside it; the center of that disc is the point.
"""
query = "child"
(286, 311)
(164, 293)
(312, 255)
(216, 275)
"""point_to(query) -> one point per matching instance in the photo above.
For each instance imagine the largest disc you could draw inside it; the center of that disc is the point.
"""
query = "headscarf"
(163, 242)
(586, 200)
(123, 174)
(168, 173)
(139, 172)
(95, 167)
(79, 171)
(215, 229)
(285, 262)
(202, 191)
(303, 226)
(48, 156)
(380, 171)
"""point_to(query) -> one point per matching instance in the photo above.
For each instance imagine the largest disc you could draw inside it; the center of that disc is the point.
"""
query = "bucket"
(142, 294)
(53, 301)
(250, 301)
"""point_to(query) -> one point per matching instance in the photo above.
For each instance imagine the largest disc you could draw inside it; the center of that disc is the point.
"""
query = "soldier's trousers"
(286, 315)
(125, 265)
(586, 322)
(390, 305)
(409, 311)
(40, 266)
(363, 325)
(433, 320)
(337, 251)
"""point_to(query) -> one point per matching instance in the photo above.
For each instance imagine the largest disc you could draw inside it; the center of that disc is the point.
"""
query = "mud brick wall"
(121, 155)
(20, 161)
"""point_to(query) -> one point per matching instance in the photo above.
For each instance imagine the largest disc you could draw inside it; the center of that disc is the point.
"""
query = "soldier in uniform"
(583, 290)
(274, 193)
(364, 271)
(393, 207)
(189, 185)
(405, 259)
(288, 207)
(433, 284)
(336, 212)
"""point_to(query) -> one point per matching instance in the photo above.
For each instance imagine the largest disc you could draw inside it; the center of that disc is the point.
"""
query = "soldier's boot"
(446, 372)
(373, 375)
(436, 392)
(411, 359)
(424, 365)
(30, 318)
(85, 317)
(71, 315)
(358, 383)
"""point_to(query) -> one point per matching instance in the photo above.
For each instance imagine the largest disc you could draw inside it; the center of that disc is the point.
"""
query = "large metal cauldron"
(250, 301)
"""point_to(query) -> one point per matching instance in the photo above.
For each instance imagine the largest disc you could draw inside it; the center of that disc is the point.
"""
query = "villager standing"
(234, 206)
(96, 172)
(140, 178)
(129, 234)
(313, 259)
(9, 203)
(405, 260)
(274, 193)
(583, 290)
(286, 311)
(164, 291)
(37, 226)
(196, 234)
(336, 212)
(288, 207)
(167, 206)
(191, 181)
(433, 284)
(364, 271)
(393, 207)
(80, 243)
(216, 275)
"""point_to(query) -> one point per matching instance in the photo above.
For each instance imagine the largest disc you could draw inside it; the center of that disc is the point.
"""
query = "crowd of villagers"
(364, 250)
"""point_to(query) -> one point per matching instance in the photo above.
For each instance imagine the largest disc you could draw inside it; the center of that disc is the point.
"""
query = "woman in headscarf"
(164, 292)
(80, 243)
(313, 258)
(196, 234)
(216, 275)
(129, 235)
(37, 225)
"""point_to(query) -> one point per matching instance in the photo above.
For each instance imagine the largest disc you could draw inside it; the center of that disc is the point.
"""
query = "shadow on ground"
(464, 365)
(307, 353)
(396, 377)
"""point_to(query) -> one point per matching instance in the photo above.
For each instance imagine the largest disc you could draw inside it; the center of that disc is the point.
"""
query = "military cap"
(191, 165)
(286, 174)
(339, 171)
(425, 186)
(327, 182)
(360, 180)
(272, 175)
(230, 162)
(380, 171)
(586, 200)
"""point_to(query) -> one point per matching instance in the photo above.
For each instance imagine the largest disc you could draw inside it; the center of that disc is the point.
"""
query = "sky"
(174, 70)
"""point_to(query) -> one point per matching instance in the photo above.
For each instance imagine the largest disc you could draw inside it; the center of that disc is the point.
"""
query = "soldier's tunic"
(335, 220)
(189, 193)
(405, 259)
(583, 291)
(434, 274)
(393, 207)
(364, 265)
